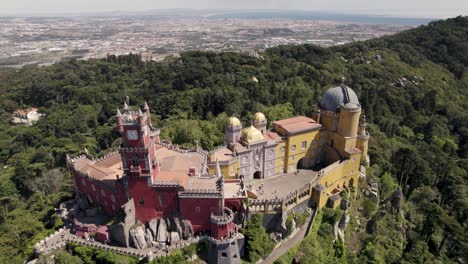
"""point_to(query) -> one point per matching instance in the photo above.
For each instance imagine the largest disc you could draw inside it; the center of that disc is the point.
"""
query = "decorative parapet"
(178, 148)
(108, 155)
(223, 219)
(224, 162)
(200, 193)
(166, 184)
(75, 159)
(351, 107)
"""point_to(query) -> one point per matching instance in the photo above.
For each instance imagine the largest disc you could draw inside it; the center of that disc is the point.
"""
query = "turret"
(118, 116)
(259, 121)
(362, 142)
(141, 120)
(233, 130)
(362, 126)
(147, 113)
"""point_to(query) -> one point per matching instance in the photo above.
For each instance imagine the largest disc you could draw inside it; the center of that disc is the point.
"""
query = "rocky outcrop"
(153, 227)
(149, 237)
(137, 237)
(187, 229)
(174, 238)
(177, 226)
(162, 231)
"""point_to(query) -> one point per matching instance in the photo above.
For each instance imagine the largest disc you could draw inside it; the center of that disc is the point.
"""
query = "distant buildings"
(26, 116)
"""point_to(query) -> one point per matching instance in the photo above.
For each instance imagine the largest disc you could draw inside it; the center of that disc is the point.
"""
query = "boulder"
(175, 238)
(162, 231)
(148, 237)
(177, 226)
(187, 229)
(137, 237)
(273, 237)
(153, 227)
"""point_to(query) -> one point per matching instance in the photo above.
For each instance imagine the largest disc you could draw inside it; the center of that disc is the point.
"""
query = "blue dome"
(336, 96)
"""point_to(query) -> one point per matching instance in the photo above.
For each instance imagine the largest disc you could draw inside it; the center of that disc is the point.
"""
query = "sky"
(404, 8)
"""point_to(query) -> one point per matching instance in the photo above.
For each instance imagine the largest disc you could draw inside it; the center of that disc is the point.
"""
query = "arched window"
(293, 148)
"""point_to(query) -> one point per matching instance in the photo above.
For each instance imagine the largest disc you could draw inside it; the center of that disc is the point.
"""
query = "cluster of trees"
(411, 85)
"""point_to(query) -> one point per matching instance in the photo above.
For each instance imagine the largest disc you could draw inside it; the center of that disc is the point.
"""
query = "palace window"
(197, 209)
(270, 154)
(293, 148)
(141, 201)
(232, 169)
(282, 149)
(244, 160)
(304, 144)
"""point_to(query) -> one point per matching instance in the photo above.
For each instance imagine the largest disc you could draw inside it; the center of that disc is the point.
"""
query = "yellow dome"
(258, 117)
(233, 121)
(251, 134)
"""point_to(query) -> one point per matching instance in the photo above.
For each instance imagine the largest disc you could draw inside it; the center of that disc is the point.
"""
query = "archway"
(258, 175)
(300, 164)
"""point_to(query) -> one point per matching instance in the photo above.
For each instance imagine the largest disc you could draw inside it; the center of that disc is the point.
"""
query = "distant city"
(50, 39)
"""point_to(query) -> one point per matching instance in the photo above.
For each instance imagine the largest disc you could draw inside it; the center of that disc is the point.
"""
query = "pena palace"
(161, 180)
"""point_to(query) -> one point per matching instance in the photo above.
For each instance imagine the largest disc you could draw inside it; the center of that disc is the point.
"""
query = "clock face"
(132, 134)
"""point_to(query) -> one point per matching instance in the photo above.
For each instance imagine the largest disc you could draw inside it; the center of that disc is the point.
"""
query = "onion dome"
(251, 134)
(233, 121)
(258, 117)
(337, 96)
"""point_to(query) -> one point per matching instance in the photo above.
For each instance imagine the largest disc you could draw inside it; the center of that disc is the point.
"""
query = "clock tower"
(138, 142)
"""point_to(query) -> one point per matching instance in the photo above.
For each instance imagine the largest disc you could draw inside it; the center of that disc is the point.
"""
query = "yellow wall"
(292, 157)
(329, 119)
(229, 171)
(279, 156)
(349, 122)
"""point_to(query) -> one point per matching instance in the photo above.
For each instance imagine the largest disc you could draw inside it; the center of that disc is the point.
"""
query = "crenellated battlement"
(223, 219)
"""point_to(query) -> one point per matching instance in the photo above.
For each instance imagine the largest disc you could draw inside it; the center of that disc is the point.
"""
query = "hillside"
(412, 86)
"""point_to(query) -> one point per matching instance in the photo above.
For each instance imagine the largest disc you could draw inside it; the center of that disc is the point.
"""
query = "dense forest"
(412, 86)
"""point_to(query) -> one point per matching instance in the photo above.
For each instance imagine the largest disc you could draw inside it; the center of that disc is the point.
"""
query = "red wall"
(198, 211)
(151, 207)
(222, 231)
(102, 194)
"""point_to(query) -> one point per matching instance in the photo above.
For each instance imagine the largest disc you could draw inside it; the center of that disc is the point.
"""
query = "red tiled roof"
(298, 124)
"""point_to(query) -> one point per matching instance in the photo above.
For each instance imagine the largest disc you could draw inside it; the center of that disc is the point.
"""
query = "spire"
(140, 114)
(126, 108)
(67, 157)
(146, 107)
(86, 151)
(118, 113)
(217, 169)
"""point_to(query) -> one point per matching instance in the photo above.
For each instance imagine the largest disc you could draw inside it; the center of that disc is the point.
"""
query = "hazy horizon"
(396, 8)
